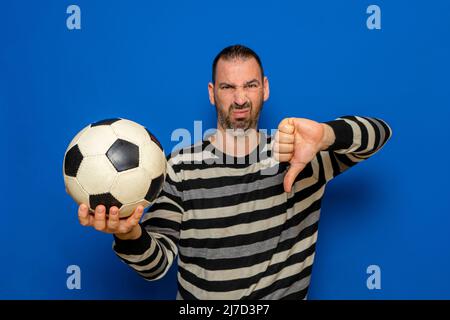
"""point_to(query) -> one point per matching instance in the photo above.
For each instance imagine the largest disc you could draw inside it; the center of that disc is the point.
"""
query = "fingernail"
(101, 210)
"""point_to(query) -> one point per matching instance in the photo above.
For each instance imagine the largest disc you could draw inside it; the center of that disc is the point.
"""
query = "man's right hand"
(125, 229)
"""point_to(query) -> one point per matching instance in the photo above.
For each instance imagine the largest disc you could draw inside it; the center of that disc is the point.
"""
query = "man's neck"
(235, 143)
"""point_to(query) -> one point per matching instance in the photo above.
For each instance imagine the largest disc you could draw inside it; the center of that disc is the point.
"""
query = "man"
(239, 229)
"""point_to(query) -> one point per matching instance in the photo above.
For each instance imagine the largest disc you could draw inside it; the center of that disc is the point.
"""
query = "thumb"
(138, 214)
(291, 174)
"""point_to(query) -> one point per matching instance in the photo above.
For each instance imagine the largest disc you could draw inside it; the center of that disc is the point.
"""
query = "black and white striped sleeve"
(357, 139)
(153, 253)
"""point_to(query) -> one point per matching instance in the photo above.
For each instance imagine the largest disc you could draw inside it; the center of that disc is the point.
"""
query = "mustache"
(246, 105)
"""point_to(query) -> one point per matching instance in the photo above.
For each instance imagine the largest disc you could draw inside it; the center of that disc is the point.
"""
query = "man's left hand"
(297, 141)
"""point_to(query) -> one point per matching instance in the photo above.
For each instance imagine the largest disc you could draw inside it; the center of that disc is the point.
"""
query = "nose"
(240, 98)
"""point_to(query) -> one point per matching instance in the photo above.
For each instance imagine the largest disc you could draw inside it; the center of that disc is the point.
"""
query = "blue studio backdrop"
(150, 61)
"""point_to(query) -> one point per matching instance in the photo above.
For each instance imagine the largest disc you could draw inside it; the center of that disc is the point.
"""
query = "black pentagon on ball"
(123, 155)
(72, 161)
(155, 188)
(154, 139)
(105, 122)
(105, 199)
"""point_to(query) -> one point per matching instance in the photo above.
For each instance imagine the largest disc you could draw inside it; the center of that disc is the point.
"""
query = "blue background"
(150, 62)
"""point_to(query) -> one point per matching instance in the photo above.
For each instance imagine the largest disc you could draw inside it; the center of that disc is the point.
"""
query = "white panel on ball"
(130, 131)
(152, 159)
(96, 140)
(137, 182)
(96, 174)
(127, 209)
(76, 191)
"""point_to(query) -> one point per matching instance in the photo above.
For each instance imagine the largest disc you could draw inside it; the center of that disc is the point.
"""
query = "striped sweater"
(236, 232)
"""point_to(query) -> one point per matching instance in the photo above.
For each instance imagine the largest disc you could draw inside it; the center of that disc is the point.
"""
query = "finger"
(283, 157)
(137, 215)
(282, 137)
(100, 218)
(134, 219)
(83, 215)
(283, 147)
(291, 174)
(286, 126)
(113, 219)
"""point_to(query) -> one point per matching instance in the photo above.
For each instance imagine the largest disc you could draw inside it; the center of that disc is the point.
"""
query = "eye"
(252, 86)
(225, 87)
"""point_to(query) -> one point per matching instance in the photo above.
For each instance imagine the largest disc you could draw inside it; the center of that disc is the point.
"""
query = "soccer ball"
(114, 162)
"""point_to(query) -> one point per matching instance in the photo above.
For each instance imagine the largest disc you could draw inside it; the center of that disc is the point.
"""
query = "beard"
(242, 124)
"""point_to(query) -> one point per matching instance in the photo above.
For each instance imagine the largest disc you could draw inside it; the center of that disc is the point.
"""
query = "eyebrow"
(233, 85)
(252, 81)
(226, 84)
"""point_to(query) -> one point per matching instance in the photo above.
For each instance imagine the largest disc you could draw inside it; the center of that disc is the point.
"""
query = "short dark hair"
(236, 51)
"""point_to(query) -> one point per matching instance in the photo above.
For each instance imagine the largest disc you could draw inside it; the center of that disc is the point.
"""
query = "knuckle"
(112, 229)
(99, 227)
(99, 219)
(113, 223)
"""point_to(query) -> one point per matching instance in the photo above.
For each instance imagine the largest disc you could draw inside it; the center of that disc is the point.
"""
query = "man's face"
(238, 93)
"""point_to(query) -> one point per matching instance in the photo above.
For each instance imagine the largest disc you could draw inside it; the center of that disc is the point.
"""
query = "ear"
(266, 89)
(211, 93)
